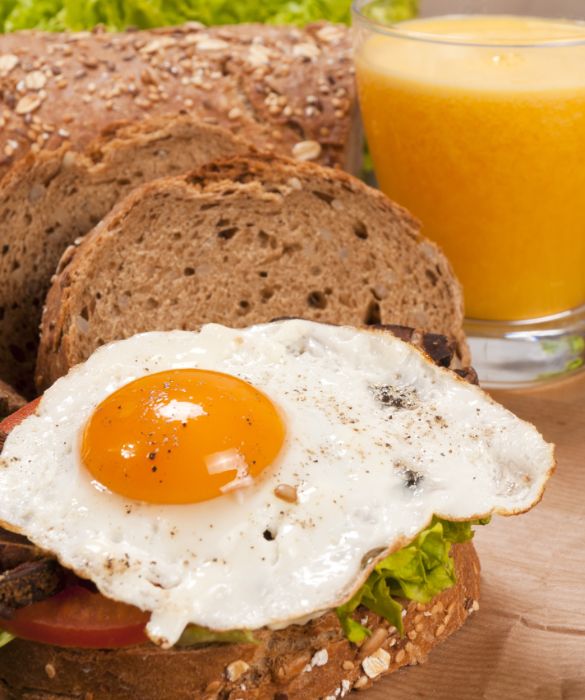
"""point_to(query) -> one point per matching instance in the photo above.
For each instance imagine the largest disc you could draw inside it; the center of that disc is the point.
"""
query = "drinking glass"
(475, 119)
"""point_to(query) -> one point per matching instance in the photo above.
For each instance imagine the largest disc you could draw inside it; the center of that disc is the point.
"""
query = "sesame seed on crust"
(254, 80)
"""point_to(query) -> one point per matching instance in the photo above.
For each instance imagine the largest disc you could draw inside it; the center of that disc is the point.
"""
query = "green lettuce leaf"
(5, 637)
(418, 572)
(194, 634)
(387, 12)
(59, 15)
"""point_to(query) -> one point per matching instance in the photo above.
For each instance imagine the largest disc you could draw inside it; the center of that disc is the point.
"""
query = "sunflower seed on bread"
(219, 671)
(278, 87)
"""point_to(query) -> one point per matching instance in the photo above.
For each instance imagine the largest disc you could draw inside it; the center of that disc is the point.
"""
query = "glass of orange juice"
(475, 119)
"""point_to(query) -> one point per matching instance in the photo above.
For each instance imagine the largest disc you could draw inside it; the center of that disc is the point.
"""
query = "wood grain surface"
(528, 639)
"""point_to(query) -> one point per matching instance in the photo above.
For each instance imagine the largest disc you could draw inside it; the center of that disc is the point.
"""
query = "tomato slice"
(17, 417)
(77, 616)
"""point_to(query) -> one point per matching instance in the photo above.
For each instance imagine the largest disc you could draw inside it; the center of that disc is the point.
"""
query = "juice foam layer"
(535, 61)
(486, 145)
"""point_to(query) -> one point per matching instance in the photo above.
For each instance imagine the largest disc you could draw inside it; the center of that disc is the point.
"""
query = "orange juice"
(486, 146)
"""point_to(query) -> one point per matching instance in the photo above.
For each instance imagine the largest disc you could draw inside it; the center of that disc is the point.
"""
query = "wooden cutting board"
(527, 642)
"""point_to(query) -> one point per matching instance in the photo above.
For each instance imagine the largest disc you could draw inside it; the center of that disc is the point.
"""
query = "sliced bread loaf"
(48, 200)
(241, 242)
(282, 88)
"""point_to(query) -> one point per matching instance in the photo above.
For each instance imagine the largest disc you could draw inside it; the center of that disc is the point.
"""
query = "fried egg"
(242, 478)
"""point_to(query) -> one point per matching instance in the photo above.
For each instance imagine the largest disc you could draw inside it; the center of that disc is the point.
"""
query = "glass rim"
(397, 30)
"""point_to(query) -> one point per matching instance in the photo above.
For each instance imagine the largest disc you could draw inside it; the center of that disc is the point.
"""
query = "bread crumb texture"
(240, 242)
(310, 662)
(47, 202)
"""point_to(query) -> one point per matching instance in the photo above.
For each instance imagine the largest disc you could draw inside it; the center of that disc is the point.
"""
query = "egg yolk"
(181, 436)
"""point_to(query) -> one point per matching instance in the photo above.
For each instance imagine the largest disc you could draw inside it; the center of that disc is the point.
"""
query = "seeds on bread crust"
(244, 78)
(376, 664)
(374, 642)
(306, 150)
(199, 673)
(236, 670)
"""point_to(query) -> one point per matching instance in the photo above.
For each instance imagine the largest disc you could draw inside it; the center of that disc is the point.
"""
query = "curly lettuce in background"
(75, 15)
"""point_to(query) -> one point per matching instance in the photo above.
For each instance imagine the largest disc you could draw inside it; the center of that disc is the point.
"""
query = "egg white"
(378, 440)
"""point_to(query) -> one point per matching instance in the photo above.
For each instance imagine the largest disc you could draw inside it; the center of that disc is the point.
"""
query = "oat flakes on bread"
(275, 668)
(282, 88)
(241, 242)
(48, 201)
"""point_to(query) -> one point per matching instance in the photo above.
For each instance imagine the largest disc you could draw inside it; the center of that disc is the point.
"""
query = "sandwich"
(279, 511)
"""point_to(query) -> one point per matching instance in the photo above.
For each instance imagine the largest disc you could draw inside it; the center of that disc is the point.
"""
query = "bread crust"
(307, 662)
(254, 80)
(277, 209)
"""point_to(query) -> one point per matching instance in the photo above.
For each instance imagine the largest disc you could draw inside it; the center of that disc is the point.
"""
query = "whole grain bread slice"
(241, 242)
(48, 200)
(307, 662)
